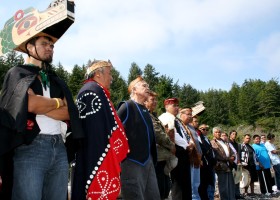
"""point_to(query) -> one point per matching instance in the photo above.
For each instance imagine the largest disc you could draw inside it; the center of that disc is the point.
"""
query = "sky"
(209, 44)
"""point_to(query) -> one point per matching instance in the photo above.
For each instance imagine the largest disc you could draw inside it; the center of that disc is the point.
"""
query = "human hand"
(171, 134)
(191, 146)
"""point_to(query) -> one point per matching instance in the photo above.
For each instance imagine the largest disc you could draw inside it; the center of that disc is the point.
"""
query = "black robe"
(14, 106)
(97, 168)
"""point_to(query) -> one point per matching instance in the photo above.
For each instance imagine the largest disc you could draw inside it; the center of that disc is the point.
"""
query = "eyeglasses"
(204, 129)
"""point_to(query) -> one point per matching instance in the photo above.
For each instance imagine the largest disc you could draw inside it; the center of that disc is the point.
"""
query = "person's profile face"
(105, 77)
(172, 108)
(233, 135)
(142, 89)
(151, 103)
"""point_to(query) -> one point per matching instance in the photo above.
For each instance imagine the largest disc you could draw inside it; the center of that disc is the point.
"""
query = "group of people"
(126, 152)
(192, 169)
(255, 161)
(260, 159)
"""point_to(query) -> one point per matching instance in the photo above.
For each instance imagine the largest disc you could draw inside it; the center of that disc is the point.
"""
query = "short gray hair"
(216, 128)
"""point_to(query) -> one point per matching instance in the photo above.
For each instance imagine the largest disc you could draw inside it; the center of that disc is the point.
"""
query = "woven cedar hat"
(29, 23)
(98, 64)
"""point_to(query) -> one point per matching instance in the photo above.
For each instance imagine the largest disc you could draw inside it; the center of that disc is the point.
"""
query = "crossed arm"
(55, 108)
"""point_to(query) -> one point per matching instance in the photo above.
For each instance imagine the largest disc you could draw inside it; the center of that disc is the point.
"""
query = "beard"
(48, 59)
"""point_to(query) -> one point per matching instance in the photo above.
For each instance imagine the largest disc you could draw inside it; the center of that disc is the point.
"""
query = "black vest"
(139, 131)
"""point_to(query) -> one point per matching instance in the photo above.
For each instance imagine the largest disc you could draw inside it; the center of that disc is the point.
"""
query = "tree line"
(254, 104)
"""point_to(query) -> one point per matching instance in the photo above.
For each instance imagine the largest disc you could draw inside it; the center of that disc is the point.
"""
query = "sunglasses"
(204, 129)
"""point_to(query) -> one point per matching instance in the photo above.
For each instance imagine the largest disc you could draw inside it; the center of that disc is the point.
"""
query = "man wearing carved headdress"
(138, 175)
(98, 160)
(40, 103)
(181, 174)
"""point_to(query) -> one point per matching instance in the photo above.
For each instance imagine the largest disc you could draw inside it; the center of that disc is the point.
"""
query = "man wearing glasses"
(207, 175)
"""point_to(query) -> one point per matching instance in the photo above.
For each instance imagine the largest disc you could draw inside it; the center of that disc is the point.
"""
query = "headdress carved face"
(29, 23)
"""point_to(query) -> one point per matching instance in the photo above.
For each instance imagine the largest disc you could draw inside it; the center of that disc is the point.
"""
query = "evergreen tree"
(8, 61)
(232, 101)
(13, 58)
(76, 79)
(151, 76)
(118, 88)
(247, 102)
(62, 73)
(134, 72)
(189, 96)
(216, 108)
(268, 100)
(3, 70)
(164, 90)
(176, 91)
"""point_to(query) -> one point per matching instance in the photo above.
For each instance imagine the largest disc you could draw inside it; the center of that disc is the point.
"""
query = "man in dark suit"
(207, 175)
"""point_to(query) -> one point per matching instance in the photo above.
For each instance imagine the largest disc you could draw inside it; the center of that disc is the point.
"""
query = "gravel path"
(257, 196)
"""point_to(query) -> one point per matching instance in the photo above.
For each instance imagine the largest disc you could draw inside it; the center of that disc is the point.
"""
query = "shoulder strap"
(127, 109)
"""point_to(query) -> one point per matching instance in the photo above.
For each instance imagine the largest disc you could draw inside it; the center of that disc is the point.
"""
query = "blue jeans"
(41, 169)
(211, 188)
(195, 176)
(277, 175)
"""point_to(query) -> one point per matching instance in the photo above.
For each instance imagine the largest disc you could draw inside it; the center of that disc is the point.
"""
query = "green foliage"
(247, 102)
(8, 61)
(188, 96)
(150, 75)
(164, 90)
(118, 88)
(62, 73)
(216, 107)
(134, 72)
(268, 100)
(76, 79)
(232, 101)
(13, 58)
(3, 70)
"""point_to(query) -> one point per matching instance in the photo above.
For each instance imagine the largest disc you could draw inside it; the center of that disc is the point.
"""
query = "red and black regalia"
(97, 171)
